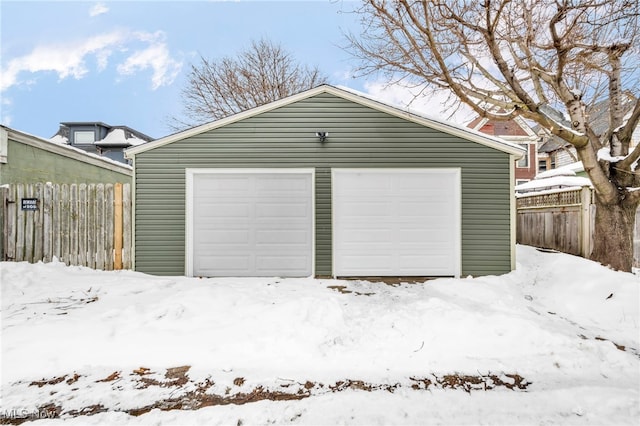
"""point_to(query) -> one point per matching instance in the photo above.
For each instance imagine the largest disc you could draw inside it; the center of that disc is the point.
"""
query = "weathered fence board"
(75, 223)
(562, 220)
(556, 228)
(127, 217)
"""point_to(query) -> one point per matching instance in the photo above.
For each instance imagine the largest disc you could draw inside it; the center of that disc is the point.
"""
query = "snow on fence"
(79, 224)
(562, 220)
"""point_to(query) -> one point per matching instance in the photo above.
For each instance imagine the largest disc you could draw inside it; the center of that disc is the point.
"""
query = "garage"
(327, 182)
(396, 222)
(250, 222)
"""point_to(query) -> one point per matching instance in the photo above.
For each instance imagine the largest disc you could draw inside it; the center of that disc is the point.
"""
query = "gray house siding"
(359, 137)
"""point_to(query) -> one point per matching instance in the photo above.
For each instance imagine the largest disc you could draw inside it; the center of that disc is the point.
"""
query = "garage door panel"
(252, 224)
(365, 209)
(298, 237)
(361, 265)
(227, 235)
(367, 235)
(271, 265)
(232, 185)
(281, 184)
(224, 209)
(371, 184)
(282, 211)
(396, 222)
(426, 236)
(228, 263)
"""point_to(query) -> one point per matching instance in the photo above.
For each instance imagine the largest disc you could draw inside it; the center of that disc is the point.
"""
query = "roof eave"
(451, 129)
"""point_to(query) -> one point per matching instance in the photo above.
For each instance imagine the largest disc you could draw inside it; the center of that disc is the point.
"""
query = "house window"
(524, 161)
(84, 137)
(542, 165)
(521, 181)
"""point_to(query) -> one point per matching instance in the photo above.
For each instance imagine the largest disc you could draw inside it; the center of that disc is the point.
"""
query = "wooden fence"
(79, 224)
(562, 220)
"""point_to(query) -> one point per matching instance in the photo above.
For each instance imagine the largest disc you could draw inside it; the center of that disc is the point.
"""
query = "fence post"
(47, 222)
(126, 226)
(585, 223)
(117, 226)
(4, 197)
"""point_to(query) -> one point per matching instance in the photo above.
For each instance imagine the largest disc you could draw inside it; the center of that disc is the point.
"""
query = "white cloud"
(70, 59)
(66, 60)
(98, 9)
(156, 57)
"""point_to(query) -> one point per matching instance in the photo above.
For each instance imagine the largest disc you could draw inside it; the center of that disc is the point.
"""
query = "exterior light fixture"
(322, 136)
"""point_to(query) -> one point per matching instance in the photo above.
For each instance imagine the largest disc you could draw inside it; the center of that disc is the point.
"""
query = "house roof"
(68, 151)
(127, 130)
(348, 94)
(514, 128)
(598, 120)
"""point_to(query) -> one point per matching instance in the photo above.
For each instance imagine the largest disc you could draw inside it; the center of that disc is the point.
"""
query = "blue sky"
(125, 62)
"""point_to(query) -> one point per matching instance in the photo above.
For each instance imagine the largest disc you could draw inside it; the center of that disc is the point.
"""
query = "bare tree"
(263, 73)
(545, 60)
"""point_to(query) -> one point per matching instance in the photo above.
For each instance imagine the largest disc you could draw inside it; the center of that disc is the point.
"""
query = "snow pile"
(60, 140)
(568, 326)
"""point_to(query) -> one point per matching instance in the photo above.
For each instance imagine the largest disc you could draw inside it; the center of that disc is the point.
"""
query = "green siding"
(358, 137)
(29, 164)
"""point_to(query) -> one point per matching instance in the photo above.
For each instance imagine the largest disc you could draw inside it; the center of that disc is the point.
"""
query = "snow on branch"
(604, 154)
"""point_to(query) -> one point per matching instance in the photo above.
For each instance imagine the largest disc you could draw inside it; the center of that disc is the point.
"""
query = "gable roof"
(347, 94)
(515, 128)
(67, 151)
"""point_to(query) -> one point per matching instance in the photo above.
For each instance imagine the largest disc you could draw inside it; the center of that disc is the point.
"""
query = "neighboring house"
(29, 159)
(328, 182)
(515, 131)
(100, 138)
(555, 152)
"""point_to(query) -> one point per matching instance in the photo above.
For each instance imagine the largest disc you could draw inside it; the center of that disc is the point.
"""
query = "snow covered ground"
(555, 342)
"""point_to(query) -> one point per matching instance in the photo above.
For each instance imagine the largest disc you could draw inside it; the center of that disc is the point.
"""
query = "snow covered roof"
(354, 96)
(567, 170)
(553, 182)
(559, 178)
(109, 136)
(118, 137)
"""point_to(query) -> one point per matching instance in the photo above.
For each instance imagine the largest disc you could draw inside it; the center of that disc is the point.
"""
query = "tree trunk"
(613, 235)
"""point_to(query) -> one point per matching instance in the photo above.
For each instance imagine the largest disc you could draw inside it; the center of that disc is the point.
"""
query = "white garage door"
(396, 222)
(250, 223)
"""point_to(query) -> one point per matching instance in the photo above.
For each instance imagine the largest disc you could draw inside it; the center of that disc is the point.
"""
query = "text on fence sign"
(29, 204)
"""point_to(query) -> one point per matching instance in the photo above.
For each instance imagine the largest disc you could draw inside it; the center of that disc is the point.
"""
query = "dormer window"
(84, 137)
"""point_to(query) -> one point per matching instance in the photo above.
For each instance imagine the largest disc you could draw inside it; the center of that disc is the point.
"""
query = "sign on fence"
(29, 204)
(79, 224)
